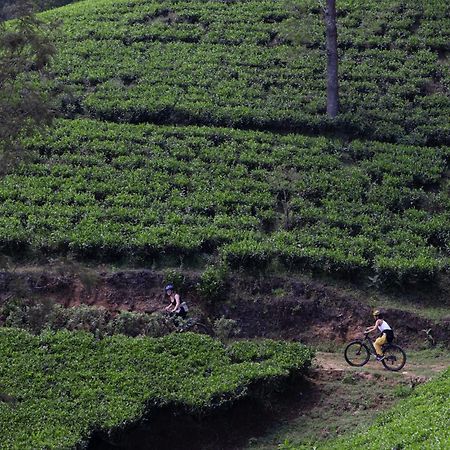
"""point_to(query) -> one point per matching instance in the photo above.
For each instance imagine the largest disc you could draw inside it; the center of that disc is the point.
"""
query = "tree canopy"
(26, 50)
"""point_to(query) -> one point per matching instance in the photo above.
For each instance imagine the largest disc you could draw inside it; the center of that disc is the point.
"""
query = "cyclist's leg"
(179, 317)
(175, 318)
(378, 344)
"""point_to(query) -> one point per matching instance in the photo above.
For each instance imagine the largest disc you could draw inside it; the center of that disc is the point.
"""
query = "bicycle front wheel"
(394, 357)
(356, 354)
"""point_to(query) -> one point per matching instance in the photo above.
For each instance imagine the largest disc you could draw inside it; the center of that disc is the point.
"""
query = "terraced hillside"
(234, 63)
(116, 189)
(112, 190)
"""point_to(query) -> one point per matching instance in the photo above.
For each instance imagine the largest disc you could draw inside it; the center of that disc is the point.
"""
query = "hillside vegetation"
(355, 207)
(111, 190)
(58, 388)
(195, 131)
(8, 8)
(236, 63)
(421, 421)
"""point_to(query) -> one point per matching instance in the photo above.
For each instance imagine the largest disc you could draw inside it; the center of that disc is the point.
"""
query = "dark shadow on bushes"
(226, 428)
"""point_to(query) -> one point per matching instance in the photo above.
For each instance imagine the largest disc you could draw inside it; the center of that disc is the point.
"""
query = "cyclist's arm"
(370, 329)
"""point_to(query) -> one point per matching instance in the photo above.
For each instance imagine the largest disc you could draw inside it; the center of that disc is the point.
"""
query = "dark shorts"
(182, 313)
(389, 335)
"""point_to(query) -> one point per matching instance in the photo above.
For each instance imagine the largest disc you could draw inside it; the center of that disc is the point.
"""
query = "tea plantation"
(196, 130)
(109, 190)
(238, 63)
(114, 190)
(60, 387)
(420, 422)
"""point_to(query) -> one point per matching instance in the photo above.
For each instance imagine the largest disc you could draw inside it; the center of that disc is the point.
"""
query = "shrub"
(213, 281)
(134, 324)
(225, 329)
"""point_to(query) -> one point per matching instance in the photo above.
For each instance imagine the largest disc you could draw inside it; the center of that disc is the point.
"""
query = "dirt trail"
(338, 398)
(416, 369)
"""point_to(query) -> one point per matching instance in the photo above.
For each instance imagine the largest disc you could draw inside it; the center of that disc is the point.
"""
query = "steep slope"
(109, 191)
(236, 63)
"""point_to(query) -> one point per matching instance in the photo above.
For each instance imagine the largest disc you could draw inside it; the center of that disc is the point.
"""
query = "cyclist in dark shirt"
(176, 307)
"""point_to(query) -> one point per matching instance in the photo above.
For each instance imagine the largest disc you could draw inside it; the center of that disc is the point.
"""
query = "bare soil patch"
(274, 307)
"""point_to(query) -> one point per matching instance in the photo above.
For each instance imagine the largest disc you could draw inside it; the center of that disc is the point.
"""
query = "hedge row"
(238, 64)
(58, 388)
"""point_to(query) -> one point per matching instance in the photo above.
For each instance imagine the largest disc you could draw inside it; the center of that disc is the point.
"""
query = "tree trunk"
(332, 60)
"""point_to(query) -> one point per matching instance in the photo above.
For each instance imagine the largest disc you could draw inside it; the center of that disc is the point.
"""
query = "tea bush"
(66, 385)
(105, 191)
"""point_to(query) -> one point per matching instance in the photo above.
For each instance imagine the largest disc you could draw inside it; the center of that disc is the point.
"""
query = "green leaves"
(71, 384)
(239, 64)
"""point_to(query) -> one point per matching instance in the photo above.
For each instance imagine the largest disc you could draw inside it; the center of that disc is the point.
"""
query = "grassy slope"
(342, 400)
(421, 421)
(60, 387)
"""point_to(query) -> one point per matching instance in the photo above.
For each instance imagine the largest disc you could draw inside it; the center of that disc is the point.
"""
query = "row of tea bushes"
(58, 388)
(237, 64)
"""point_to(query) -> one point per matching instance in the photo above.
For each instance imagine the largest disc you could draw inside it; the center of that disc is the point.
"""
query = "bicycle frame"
(369, 344)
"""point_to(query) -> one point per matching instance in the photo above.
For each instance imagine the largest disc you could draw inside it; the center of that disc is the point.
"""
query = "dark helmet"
(169, 287)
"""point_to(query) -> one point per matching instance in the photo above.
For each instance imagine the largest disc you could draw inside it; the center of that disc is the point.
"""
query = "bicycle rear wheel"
(356, 353)
(394, 357)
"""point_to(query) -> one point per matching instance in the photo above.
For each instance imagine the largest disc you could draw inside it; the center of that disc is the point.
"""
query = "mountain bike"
(358, 352)
(192, 324)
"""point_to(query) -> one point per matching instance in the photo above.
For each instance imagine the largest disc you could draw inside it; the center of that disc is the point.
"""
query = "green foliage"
(403, 390)
(175, 277)
(237, 64)
(70, 384)
(268, 351)
(420, 421)
(14, 8)
(107, 190)
(136, 324)
(225, 329)
(37, 316)
(212, 282)
(26, 50)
